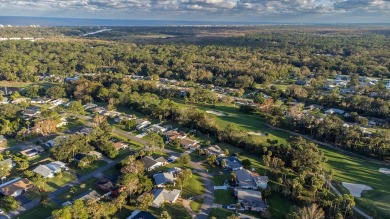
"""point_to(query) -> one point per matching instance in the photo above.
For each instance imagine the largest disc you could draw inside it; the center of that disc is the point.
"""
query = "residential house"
(89, 196)
(164, 196)
(157, 129)
(120, 145)
(57, 102)
(32, 151)
(190, 144)
(214, 149)
(123, 118)
(15, 187)
(250, 180)
(137, 214)
(334, 111)
(96, 154)
(40, 100)
(89, 106)
(173, 170)
(173, 135)
(32, 112)
(151, 163)
(49, 170)
(142, 123)
(70, 79)
(162, 179)
(85, 131)
(232, 163)
(112, 114)
(314, 106)
(342, 77)
(250, 200)
(20, 100)
(98, 110)
(107, 185)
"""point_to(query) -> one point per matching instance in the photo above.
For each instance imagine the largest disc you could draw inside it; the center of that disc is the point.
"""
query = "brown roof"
(187, 142)
(120, 145)
(172, 135)
(21, 184)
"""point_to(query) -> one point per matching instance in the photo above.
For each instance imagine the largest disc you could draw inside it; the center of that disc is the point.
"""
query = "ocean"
(49, 21)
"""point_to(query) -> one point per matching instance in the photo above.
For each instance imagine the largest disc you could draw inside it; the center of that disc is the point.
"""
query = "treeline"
(263, 59)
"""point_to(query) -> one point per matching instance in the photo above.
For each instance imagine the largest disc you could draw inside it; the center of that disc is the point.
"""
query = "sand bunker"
(384, 170)
(255, 133)
(216, 113)
(356, 189)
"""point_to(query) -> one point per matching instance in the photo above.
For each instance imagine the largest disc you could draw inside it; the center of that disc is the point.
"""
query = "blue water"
(48, 21)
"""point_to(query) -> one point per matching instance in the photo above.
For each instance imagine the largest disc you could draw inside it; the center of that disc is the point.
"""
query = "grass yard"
(246, 122)
(57, 182)
(220, 178)
(91, 167)
(77, 190)
(354, 169)
(220, 213)
(193, 187)
(224, 197)
(39, 212)
(177, 211)
(279, 206)
(196, 205)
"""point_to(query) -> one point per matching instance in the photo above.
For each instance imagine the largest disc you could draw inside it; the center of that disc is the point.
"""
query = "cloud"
(200, 9)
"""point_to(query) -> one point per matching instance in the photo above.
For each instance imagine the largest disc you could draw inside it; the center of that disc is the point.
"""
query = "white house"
(151, 163)
(50, 169)
(334, 111)
(142, 123)
(165, 196)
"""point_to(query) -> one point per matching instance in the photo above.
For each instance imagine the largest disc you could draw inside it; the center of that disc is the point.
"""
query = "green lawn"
(193, 187)
(57, 182)
(91, 167)
(220, 178)
(196, 205)
(354, 169)
(246, 122)
(39, 212)
(77, 190)
(220, 213)
(279, 206)
(224, 197)
(177, 211)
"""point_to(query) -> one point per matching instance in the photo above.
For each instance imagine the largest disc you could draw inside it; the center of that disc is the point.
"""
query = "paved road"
(130, 136)
(33, 141)
(354, 207)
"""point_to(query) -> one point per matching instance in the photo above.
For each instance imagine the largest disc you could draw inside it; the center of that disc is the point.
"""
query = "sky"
(306, 11)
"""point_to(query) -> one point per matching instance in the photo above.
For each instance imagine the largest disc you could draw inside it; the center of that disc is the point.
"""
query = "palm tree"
(311, 212)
